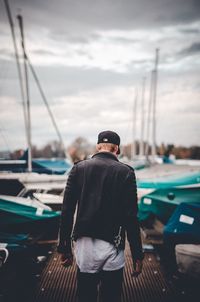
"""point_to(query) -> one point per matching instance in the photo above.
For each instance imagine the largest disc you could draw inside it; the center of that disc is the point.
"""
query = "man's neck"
(103, 151)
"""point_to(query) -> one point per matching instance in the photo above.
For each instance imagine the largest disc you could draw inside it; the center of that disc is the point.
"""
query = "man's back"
(102, 205)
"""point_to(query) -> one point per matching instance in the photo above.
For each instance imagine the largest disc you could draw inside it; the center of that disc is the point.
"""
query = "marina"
(161, 279)
(114, 76)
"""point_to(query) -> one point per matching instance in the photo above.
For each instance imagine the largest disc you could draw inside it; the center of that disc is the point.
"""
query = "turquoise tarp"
(184, 224)
(14, 213)
(162, 203)
(51, 166)
(170, 181)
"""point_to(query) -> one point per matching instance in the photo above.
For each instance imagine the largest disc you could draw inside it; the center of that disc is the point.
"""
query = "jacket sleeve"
(67, 215)
(131, 220)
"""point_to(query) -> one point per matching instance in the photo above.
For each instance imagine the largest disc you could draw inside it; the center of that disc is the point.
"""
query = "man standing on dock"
(104, 191)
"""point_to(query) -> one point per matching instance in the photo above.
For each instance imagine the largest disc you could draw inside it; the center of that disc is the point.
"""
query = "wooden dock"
(58, 284)
(47, 281)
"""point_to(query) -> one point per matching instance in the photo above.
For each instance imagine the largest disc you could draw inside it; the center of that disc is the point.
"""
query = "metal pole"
(149, 115)
(133, 153)
(154, 105)
(19, 17)
(18, 64)
(142, 119)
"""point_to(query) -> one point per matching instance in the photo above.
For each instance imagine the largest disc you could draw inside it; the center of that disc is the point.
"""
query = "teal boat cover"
(14, 213)
(191, 178)
(56, 166)
(51, 166)
(183, 226)
(162, 203)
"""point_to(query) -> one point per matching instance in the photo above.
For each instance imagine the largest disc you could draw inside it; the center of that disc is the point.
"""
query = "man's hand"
(137, 268)
(66, 259)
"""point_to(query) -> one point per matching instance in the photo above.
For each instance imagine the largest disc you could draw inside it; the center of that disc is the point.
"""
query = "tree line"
(81, 148)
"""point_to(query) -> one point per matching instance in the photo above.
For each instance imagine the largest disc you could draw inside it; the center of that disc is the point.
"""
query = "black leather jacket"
(105, 191)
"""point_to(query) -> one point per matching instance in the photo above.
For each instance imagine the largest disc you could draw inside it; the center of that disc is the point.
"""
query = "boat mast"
(142, 118)
(28, 63)
(9, 15)
(149, 115)
(133, 151)
(155, 71)
(26, 101)
(20, 20)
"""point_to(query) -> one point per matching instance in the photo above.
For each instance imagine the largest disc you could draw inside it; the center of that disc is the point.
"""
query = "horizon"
(93, 144)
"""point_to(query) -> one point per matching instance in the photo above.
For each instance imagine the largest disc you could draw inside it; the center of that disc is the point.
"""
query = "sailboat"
(31, 175)
(143, 160)
(48, 166)
(51, 166)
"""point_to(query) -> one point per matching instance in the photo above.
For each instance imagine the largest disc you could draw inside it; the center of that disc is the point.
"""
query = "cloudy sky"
(91, 57)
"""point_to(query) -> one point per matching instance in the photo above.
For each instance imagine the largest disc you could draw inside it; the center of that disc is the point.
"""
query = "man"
(104, 191)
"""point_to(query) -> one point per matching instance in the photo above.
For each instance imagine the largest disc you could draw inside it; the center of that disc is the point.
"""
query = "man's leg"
(111, 285)
(87, 286)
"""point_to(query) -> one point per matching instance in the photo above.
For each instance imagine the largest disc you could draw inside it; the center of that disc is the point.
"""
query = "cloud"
(44, 52)
(75, 21)
(191, 50)
(6, 53)
(194, 31)
(90, 55)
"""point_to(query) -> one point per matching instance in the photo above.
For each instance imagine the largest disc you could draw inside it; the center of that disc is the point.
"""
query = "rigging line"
(47, 105)
(10, 19)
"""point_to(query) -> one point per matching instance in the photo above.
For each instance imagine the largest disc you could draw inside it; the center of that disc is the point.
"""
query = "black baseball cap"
(109, 137)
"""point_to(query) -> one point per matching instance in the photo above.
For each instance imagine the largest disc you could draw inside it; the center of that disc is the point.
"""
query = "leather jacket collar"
(106, 155)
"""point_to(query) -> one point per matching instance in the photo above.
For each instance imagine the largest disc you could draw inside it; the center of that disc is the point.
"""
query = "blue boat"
(51, 166)
(184, 225)
(56, 166)
(183, 228)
